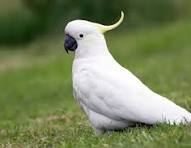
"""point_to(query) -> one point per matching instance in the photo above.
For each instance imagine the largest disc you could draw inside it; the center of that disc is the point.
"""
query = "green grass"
(36, 104)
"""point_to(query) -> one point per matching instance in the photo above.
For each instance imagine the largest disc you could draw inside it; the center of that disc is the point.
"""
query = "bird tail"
(188, 118)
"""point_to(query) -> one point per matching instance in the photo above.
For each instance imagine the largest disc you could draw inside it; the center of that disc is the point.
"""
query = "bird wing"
(118, 94)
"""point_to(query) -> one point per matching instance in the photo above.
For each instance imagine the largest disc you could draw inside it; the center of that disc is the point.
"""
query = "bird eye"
(81, 35)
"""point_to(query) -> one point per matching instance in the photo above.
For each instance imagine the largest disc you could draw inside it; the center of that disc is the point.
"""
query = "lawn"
(36, 104)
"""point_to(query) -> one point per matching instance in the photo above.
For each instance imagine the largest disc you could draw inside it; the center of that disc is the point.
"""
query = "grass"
(37, 107)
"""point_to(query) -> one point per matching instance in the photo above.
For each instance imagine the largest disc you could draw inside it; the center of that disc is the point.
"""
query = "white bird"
(111, 96)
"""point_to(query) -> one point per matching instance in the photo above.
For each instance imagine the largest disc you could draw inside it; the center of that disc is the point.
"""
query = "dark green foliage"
(18, 28)
(42, 16)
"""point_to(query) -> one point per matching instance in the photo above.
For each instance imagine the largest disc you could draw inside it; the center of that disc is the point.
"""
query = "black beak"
(70, 43)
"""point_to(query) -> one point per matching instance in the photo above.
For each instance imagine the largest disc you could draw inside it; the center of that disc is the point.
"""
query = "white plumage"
(111, 96)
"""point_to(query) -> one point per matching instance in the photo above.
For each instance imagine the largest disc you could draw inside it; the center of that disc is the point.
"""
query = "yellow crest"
(105, 28)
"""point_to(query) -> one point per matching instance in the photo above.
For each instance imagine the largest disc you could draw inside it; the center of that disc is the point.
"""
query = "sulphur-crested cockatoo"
(111, 96)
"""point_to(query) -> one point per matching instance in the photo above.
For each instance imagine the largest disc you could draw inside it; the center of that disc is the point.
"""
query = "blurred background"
(22, 21)
(154, 42)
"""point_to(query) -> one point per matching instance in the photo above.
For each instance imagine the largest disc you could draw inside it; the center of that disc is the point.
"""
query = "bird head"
(84, 37)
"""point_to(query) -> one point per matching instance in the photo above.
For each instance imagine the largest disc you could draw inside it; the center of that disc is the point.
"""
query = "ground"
(37, 107)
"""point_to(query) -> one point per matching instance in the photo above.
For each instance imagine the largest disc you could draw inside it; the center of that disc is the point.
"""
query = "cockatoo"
(110, 95)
